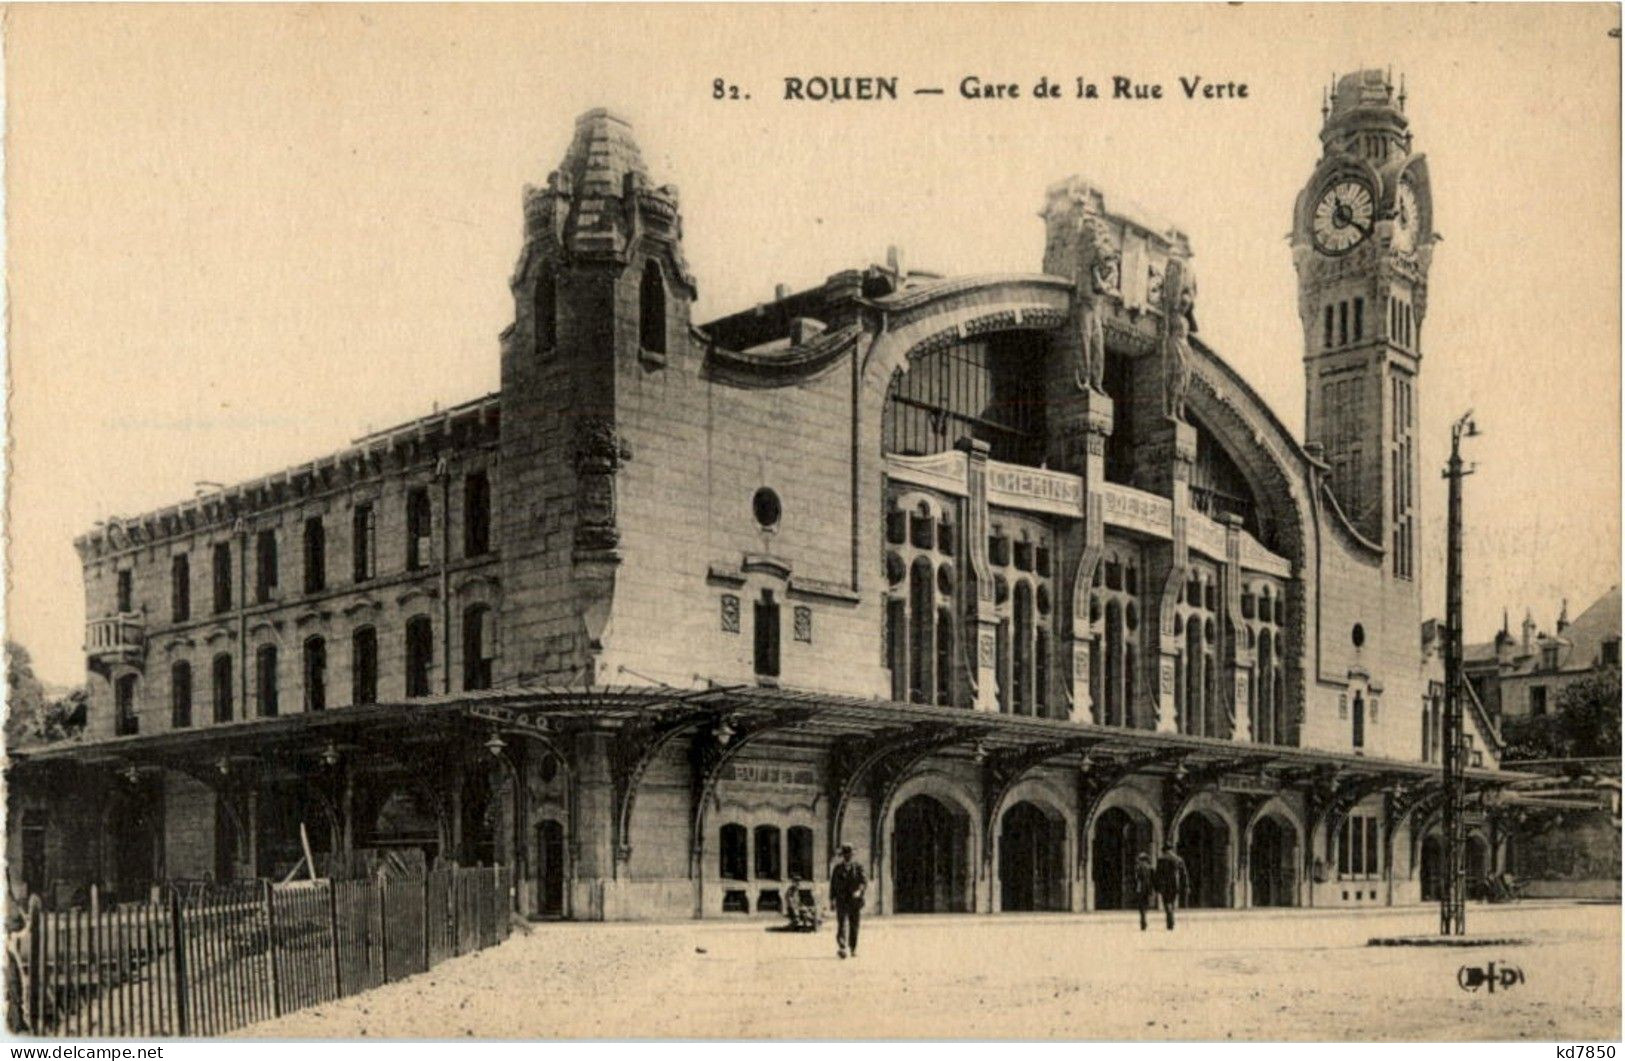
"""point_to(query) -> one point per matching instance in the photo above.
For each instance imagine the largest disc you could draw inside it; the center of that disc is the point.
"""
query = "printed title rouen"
(1001, 579)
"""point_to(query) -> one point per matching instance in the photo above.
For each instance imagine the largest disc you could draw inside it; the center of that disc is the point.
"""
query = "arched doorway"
(550, 868)
(930, 857)
(1204, 844)
(1432, 867)
(1273, 861)
(1120, 834)
(1032, 858)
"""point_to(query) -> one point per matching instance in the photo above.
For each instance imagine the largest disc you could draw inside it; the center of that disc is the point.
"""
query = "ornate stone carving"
(1097, 285)
(1178, 321)
(599, 453)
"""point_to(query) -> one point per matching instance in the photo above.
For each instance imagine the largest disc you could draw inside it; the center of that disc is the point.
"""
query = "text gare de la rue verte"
(819, 89)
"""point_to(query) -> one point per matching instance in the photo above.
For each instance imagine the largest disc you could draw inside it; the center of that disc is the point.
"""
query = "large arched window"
(652, 309)
(419, 655)
(364, 666)
(1114, 614)
(922, 631)
(800, 856)
(180, 695)
(990, 389)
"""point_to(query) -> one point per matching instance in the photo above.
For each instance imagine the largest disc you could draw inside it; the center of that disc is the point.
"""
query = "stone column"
(981, 624)
(592, 825)
(1241, 655)
(1086, 421)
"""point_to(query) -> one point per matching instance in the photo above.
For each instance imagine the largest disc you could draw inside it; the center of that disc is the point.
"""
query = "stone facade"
(996, 578)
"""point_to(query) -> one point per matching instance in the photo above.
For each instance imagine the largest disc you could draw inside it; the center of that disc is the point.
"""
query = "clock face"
(1406, 217)
(1343, 217)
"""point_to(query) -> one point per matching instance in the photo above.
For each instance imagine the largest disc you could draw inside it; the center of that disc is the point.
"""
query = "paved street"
(1244, 975)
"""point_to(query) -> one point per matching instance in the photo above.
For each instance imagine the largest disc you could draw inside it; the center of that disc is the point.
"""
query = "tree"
(31, 716)
(1584, 725)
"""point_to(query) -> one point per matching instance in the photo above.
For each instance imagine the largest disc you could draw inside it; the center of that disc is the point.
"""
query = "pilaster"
(982, 622)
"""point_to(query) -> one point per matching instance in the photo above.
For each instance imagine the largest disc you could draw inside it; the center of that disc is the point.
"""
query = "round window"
(1358, 635)
(767, 508)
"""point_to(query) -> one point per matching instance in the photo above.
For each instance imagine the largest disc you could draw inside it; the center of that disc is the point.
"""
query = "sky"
(239, 237)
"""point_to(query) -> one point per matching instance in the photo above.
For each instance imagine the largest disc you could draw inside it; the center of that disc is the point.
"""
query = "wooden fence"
(207, 961)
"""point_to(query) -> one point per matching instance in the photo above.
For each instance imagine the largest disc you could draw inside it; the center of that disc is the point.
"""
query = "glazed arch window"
(921, 629)
(652, 309)
(769, 854)
(735, 861)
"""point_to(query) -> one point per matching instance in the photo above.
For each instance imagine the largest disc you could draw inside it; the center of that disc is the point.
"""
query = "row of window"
(651, 310)
(1404, 487)
(1357, 847)
(418, 637)
(1338, 319)
(770, 850)
(364, 551)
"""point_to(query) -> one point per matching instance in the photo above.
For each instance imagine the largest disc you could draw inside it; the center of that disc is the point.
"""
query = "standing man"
(1172, 882)
(847, 884)
(1143, 884)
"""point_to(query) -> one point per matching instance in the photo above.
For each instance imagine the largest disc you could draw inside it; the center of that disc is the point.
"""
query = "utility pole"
(1453, 894)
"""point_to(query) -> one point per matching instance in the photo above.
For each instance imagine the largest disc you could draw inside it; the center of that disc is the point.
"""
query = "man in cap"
(847, 884)
(1143, 884)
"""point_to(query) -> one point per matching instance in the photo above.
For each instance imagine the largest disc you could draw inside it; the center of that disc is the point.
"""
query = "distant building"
(1524, 676)
(1001, 579)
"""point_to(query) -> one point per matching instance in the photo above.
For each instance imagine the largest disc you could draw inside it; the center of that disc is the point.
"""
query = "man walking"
(846, 887)
(1143, 884)
(1173, 884)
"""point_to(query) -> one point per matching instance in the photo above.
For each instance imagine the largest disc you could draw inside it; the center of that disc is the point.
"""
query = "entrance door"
(1273, 861)
(1205, 847)
(1119, 836)
(1432, 868)
(1031, 854)
(550, 869)
(929, 841)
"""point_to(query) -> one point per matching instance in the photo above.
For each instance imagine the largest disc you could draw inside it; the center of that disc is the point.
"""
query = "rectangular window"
(180, 695)
(1537, 700)
(315, 555)
(477, 662)
(1328, 343)
(180, 588)
(1342, 323)
(1610, 652)
(364, 526)
(315, 675)
(476, 514)
(1359, 319)
(767, 636)
(265, 680)
(364, 666)
(264, 566)
(222, 681)
(126, 591)
(125, 722)
(419, 655)
(419, 527)
(222, 577)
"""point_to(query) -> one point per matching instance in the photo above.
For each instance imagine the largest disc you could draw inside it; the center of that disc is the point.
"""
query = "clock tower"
(1362, 241)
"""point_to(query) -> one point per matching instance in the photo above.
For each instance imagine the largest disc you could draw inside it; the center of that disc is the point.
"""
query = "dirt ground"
(1246, 975)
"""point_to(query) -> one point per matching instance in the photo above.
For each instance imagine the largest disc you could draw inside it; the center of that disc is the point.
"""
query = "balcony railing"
(115, 639)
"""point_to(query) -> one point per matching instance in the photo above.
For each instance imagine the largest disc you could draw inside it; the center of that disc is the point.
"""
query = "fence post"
(426, 919)
(177, 944)
(333, 924)
(383, 930)
(270, 947)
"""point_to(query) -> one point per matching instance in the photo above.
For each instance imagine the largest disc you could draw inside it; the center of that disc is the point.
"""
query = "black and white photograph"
(1079, 522)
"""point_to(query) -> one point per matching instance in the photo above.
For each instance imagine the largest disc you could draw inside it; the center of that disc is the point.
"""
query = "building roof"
(1578, 644)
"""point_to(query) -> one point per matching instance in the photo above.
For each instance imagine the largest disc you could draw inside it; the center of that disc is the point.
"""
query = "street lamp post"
(1453, 894)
